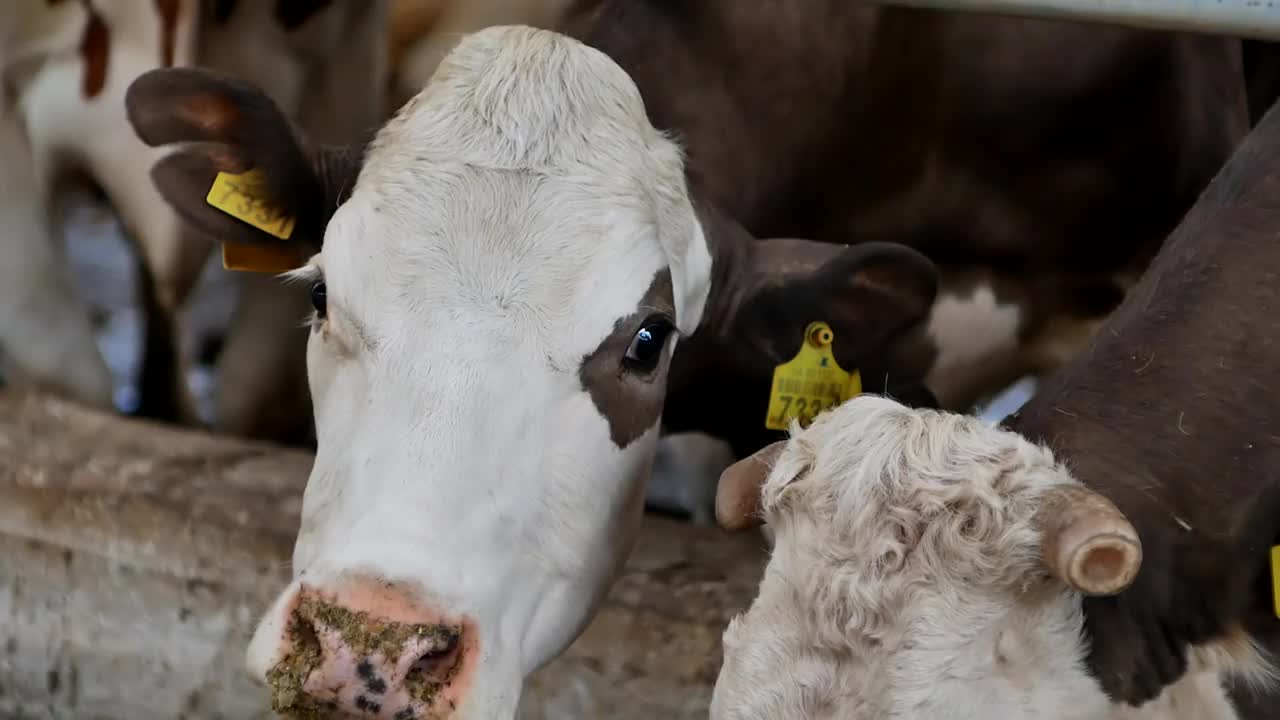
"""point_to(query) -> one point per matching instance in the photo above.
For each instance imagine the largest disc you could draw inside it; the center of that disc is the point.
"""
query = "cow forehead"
(520, 98)
(534, 258)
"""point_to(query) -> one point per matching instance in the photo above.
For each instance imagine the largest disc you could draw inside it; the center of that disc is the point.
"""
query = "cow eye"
(646, 347)
(319, 298)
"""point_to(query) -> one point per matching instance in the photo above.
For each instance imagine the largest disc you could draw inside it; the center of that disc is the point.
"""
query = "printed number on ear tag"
(1275, 577)
(811, 382)
(240, 197)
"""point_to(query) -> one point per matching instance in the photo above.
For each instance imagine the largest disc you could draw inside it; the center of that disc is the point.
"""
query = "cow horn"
(1087, 542)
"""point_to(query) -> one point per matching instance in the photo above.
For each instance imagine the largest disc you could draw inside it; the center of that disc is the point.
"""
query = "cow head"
(497, 302)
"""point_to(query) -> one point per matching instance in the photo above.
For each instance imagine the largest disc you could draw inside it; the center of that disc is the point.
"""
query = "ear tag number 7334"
(240, 197)
(811, 382)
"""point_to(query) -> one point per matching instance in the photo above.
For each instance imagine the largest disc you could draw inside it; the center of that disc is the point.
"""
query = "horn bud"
(1087, 542)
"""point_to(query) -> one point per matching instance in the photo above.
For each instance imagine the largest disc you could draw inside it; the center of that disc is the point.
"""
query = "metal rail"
(1257, 19)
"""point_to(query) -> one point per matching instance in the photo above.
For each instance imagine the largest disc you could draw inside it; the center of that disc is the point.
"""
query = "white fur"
(503, 222)
(906, 582)
(977, 339)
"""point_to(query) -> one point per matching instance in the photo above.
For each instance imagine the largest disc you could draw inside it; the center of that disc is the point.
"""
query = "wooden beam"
(135, 559)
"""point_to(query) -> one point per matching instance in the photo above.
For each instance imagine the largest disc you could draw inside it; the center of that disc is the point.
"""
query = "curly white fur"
(906, 582)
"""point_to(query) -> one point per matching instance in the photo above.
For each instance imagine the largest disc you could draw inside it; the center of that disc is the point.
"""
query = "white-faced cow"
(66, 66)
(927, 564)
(498, 296)
(1169, 414)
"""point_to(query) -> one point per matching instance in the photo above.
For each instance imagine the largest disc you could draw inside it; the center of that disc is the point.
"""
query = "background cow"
(1170, 413)
(927, 564)
(1041, 189)
(66, 66)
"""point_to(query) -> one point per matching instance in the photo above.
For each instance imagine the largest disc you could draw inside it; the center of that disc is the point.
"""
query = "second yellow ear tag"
(1275, 577)
(810, 382)
(262, 258)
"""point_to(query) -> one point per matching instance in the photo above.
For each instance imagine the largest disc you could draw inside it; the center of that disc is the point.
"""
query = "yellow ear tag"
(811, 382)
(262, 258)
(1275, 577)
(239, 197)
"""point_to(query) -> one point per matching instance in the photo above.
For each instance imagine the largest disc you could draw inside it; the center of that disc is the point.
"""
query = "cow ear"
(867, 293)
(227, 125)
(739, 505)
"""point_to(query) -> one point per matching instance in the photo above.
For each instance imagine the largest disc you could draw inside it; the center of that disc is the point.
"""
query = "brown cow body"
(1172, 413)
(1049, 183)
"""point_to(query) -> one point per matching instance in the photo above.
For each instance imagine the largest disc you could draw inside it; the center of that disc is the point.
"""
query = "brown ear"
(738, 501)
(868, 293)
(764, 294)
(236, 127)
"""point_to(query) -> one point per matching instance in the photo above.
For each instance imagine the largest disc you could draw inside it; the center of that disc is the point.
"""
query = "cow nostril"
(433, 669)
(435, 657)
(306, 642)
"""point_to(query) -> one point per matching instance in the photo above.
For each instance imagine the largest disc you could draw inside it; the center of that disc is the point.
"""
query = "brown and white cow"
(66, 66)
(928, 564)
(498, 297)
(1040, 188)
(1169, 413)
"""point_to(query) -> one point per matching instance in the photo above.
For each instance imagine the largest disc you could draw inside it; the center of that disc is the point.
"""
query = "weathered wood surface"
(135, 558)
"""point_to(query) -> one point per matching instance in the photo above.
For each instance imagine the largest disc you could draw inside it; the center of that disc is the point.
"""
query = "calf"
(1169, 414)
(497, 297)
(928, 564)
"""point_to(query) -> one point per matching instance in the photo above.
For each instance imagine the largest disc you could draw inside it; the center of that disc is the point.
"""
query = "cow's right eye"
(319, 298)
(646, 347)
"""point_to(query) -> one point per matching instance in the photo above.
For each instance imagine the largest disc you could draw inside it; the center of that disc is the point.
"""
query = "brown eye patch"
(619, 373)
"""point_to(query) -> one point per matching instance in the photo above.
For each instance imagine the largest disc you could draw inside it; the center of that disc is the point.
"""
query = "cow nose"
(367, 650)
